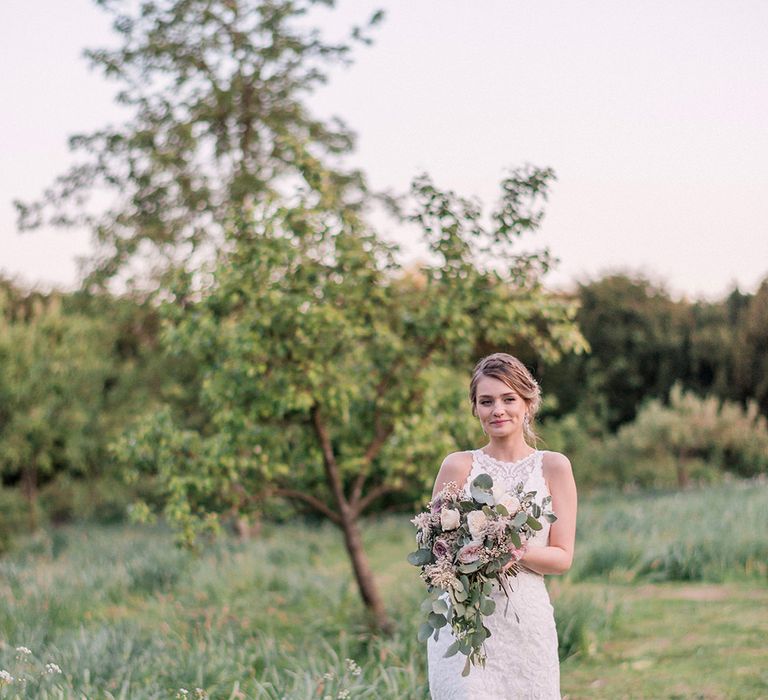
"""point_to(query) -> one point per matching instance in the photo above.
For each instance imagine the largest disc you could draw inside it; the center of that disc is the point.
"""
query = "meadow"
(668, 598)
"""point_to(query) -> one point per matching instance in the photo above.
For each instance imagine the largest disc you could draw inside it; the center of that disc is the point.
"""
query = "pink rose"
(470, 552)
(441, 548)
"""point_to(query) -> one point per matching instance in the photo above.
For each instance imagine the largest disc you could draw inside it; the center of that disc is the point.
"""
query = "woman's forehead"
(490, 386)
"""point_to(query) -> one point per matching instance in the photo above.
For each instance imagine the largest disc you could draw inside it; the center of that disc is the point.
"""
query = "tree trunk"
(363, 574)
(29, 488)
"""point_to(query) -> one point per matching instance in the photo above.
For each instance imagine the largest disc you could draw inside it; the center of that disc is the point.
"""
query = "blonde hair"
(508, 369)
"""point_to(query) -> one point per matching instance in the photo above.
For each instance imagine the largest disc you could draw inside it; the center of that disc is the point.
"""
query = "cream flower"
(449, 519)
(511, 503)
(476, 520)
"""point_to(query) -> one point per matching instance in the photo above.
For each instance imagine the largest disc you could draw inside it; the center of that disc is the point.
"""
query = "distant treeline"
(671, 390)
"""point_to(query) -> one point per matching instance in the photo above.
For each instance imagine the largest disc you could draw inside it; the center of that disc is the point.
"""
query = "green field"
(668, 598)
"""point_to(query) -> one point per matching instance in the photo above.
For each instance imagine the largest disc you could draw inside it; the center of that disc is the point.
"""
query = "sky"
(652, 115)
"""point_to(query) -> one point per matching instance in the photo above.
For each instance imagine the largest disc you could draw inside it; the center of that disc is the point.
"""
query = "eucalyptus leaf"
(421, 557)
(483, 481)
(520, 518)
(436, 621)
(440, 606)
(534, 524)
(424, 631)
(452, 649)
(487, 606)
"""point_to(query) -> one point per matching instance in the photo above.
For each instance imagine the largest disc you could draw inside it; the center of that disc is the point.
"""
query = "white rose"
(511, 503)
(498, 492)
(449, 519)
(476, 520)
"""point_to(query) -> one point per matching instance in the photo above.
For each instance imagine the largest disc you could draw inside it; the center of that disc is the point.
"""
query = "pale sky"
(651, 113)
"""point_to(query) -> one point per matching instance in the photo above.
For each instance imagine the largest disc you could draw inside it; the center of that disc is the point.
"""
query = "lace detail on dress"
(512, 473)
(522, 656)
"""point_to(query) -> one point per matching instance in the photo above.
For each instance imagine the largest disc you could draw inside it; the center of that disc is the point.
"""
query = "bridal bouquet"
(463, 546)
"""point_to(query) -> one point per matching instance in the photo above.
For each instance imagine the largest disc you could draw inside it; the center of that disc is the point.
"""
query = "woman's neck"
(508, 449)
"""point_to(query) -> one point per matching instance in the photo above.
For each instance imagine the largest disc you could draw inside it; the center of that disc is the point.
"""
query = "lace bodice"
(522, 656)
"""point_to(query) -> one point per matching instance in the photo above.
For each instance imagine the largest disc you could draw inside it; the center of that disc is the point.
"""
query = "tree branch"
(329, 460)
(372, 495)
(316, 503)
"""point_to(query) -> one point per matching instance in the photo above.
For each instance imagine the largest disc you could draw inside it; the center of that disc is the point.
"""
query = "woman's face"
(501, 410)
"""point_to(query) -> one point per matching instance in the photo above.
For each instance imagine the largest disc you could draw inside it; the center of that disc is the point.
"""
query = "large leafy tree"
(320, 356)
(216, 123)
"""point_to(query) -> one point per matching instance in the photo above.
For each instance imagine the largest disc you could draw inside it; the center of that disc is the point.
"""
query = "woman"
(522, 655)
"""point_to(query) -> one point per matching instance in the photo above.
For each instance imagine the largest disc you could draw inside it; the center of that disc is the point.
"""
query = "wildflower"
(5, 677)
(343, 695)
(200, 694)
(52, 668)
(23, 651)
(328, 676)
(352, 667)
(183, 693)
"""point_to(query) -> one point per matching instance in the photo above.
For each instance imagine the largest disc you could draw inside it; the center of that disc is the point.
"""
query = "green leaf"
(440, 606)
(487, 606)
(534, 524)
(519, 519)
(436, 621)
(481, 496)
(424, 631)
(551, 517)
(426, 605)
(515, 537)
(421, 557)
(451, 650)
(470, 568)
(483, 481)
(465, 672)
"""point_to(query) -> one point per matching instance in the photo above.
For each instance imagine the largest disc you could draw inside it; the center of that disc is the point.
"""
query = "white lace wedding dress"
(522, 656)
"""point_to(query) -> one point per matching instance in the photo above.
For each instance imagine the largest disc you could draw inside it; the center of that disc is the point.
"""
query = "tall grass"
(125, 614)
(713, 534)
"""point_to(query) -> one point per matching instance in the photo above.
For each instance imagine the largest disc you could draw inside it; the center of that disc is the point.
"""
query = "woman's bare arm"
(556, 558)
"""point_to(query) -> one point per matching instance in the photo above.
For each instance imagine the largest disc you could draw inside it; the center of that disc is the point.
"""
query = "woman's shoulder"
(455, 467)
(555, 464)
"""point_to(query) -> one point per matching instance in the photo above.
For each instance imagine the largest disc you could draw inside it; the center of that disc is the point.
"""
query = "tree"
(318, 351)
(217, 125)
(54, 370)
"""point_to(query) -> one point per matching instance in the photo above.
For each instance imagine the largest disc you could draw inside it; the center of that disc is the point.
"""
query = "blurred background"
(249, 254)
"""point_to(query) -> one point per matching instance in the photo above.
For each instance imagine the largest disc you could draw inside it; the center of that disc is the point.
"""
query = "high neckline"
(505, 462)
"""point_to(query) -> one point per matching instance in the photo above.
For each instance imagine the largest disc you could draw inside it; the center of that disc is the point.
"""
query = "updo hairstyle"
(516, 376)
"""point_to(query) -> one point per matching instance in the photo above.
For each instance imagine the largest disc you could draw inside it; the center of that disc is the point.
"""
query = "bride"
(522, 659)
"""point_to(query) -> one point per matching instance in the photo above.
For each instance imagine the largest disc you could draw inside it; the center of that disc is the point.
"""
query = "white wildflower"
(352, 667)
(343, 695)
(200, 694)
(52, 668)
(183, 693)
(23, 651)
(5, 677)
(328, 676)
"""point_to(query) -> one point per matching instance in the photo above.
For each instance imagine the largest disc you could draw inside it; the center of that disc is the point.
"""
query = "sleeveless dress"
(522, 659)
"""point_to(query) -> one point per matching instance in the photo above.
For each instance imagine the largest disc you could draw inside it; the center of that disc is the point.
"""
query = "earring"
(526, 422)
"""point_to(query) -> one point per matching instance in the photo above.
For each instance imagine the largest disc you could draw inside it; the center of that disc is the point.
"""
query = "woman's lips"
(498, 422)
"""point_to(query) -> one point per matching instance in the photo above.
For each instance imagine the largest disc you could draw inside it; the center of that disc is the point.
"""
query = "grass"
(126, 615)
